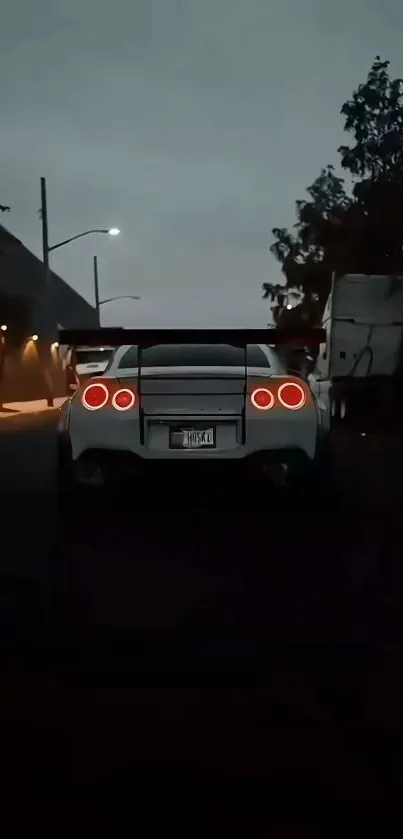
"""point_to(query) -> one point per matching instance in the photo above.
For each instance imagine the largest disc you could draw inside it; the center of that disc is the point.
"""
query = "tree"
(305, 253)
(360, 231)
(374, 116)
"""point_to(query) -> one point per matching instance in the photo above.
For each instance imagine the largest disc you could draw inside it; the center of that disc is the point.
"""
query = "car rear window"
(194, 355)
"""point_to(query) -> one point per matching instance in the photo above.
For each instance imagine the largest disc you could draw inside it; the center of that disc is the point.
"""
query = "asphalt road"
(292, 612)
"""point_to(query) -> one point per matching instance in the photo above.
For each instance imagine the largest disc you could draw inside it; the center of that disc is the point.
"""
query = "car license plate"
(192, 438)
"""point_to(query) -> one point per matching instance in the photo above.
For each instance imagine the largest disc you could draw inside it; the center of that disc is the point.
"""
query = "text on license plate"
(189, 438)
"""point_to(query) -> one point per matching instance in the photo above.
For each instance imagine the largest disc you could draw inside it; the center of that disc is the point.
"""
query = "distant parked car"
(82, 363)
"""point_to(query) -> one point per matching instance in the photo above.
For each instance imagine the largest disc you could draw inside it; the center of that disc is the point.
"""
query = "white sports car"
(216, 398)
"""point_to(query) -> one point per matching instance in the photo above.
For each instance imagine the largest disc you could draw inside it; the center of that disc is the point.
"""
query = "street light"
(46, 248)
(113, 231)
(120, 297)
(112, 299)
(3, 330)
(98, 302)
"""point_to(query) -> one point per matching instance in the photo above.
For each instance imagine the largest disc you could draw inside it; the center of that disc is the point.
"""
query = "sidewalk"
(37, 406)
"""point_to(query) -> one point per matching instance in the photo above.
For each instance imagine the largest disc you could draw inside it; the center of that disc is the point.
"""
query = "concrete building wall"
(32, 369)
(28, 375)
(22, 279)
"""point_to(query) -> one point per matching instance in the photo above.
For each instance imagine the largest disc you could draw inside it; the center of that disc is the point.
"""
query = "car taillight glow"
(123, 399)
(95, 396)
(291, 395)
(262, 398)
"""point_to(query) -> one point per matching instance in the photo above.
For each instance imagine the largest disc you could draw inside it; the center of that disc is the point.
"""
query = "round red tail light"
(95, 396)
(291, 395)
(262, 398)
(123, 399)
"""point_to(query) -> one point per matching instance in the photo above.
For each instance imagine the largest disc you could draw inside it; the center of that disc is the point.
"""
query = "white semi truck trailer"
(360, 366)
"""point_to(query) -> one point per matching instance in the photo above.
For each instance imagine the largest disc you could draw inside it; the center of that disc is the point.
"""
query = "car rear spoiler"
(143, 338)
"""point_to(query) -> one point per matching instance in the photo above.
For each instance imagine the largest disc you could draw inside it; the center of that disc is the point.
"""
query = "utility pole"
(45, 235)
(96, 290)
(2, 359)
(45, 252)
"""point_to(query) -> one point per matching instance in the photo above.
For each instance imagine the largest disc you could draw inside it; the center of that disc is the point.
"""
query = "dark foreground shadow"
(215, 652)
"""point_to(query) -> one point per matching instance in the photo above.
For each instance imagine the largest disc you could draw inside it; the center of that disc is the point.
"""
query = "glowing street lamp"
(46, 248)
(111, 231)
(98, 302)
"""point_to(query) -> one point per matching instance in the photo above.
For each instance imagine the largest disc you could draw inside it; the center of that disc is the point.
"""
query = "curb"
(12, 414)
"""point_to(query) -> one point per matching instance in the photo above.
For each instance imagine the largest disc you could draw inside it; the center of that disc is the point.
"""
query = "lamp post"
(98, 302)
(3, 330)
(46, 249)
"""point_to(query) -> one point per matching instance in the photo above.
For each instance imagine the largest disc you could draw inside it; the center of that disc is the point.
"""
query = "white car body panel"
(213, 396)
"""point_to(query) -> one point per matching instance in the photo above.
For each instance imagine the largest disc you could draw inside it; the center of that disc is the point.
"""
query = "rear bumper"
(125, 436)
(294, 458)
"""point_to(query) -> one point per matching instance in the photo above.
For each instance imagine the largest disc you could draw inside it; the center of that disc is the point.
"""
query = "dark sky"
(192, 125)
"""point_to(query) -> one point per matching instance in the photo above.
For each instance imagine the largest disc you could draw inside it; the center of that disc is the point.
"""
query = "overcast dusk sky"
(192, 125)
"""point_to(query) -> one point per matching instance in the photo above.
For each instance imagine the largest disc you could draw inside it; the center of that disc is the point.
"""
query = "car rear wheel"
(65, 480)
(315, 477)
(87, 475)
(73, 479)
(118, 480)
(65, 467)
(322, 466)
